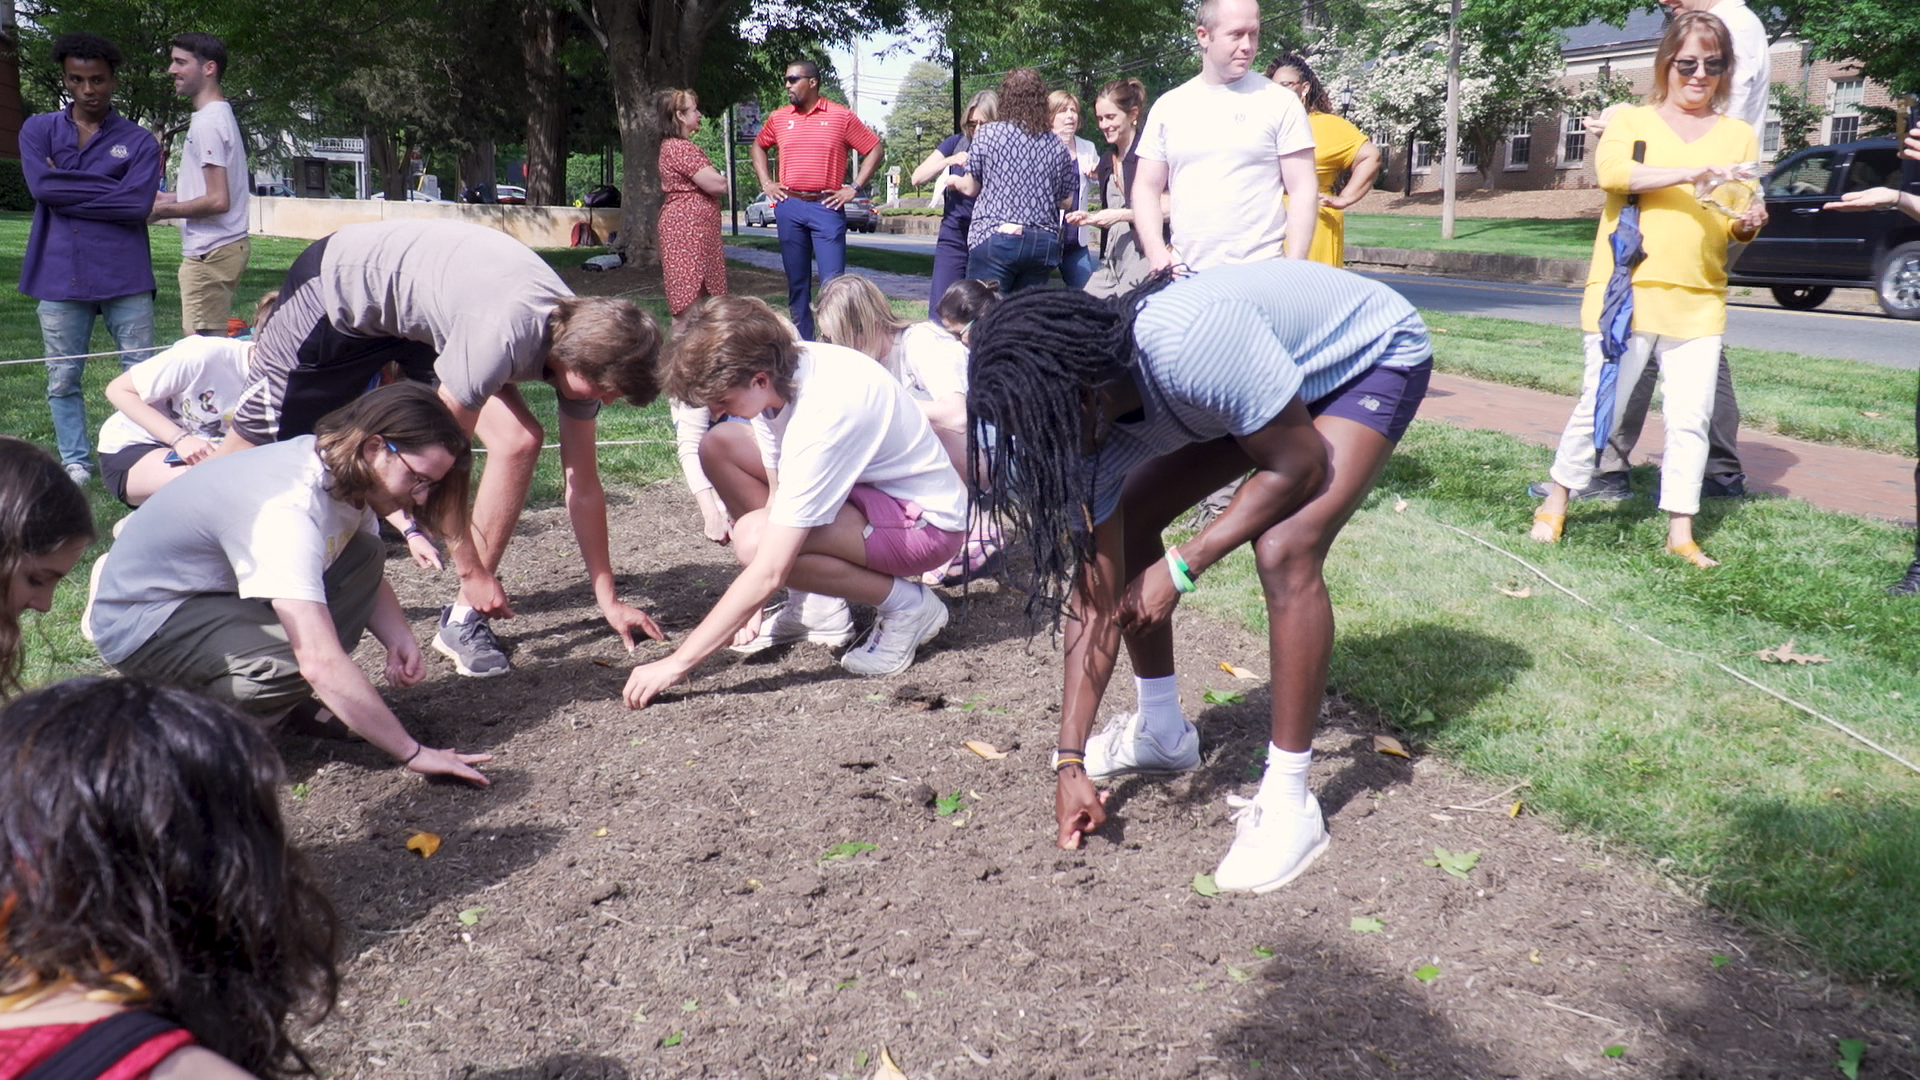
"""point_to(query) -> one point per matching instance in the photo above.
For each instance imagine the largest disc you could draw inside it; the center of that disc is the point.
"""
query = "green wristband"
(1177, 567)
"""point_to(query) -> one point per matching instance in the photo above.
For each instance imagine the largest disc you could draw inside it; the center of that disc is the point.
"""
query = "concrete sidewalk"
(1833, 478)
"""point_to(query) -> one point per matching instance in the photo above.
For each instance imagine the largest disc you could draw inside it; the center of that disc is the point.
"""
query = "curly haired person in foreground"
(151, 891)
(1107, 419)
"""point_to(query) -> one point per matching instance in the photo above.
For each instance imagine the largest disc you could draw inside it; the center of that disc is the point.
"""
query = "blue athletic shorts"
(1382, 398)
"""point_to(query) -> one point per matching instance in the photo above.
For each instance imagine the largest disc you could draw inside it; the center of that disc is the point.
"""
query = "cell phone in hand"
(172, 458)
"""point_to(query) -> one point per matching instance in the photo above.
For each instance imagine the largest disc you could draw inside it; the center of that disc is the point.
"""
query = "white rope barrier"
(83, 356)
(1763, 688)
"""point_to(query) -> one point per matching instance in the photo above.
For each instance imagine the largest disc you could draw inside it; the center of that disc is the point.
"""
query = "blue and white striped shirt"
(1222, 352)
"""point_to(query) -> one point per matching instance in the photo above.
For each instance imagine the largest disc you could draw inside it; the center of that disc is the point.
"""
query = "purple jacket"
(89, 238)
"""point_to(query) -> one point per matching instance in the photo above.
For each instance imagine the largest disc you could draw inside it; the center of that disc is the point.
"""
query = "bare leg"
(731, 459)
(833, 561)
(513, 438)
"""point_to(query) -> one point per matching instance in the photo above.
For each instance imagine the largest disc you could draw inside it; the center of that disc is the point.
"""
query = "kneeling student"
(839, 488)
(251, 579)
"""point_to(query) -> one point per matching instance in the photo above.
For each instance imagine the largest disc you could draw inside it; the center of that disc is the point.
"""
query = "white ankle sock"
(905, 594)
(1159, 703)
(461, 613)
(1285, 783)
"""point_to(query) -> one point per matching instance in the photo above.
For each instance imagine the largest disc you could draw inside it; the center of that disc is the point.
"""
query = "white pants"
(1688, 368)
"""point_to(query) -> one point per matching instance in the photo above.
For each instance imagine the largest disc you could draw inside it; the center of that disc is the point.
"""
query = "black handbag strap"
(101, 1045)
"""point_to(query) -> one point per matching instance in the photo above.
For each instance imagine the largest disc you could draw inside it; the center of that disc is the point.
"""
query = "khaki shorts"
(206, 286)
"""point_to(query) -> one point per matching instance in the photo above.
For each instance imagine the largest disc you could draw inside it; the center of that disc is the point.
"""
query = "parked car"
(760, 211)
(413, 195)
(275, 190)
(1806, 251)
(510, 194)
(861, 216)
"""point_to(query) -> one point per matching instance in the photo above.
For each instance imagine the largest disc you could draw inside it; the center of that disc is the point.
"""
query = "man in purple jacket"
(93, 174)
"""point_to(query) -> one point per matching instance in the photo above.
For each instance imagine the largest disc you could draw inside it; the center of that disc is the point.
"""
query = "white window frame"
(1844, 97)
(1519, 133)
(1434, 150)
(1570, 126)
(1770, 135)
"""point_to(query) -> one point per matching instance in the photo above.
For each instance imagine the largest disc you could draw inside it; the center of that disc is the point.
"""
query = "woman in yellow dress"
(1338, 147)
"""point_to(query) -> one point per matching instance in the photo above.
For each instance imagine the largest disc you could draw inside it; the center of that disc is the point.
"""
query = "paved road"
(1846, 335)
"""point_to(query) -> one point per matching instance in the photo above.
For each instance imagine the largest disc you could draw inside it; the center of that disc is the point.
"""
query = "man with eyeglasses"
(1746, 100)
(813, 136)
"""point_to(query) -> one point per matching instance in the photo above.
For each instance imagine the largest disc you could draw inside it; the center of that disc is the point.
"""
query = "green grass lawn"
(894, 262)
(1763, 810)
(1547, 238)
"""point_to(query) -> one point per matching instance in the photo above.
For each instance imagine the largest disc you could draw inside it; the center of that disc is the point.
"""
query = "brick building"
(1551, 152)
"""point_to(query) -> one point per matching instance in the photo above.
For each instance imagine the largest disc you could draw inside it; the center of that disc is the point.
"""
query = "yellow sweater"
(1680, 290)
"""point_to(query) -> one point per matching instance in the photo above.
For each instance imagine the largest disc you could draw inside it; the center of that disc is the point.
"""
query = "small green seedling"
(1427, 974)
(947, 805)
(1238, 974)
(1719, 961)
(301, 790)
(1614, 1052)
(847, 850)
(1360, 924)
(1223, 697)
(1203, 884)
(403, 1001)
(1263, 952)
(847, 983)
(471, 916)
(860, 1059)
(1455, 863)
(1851, 1051)
(690, 1005)
(673, 1039)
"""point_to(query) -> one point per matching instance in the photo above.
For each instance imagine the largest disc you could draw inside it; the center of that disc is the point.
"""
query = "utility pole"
(1450, 166)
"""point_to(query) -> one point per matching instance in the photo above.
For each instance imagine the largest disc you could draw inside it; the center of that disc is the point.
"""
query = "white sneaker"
(891, 644)
(826, 620)
(1270, 847)
(1126, 748)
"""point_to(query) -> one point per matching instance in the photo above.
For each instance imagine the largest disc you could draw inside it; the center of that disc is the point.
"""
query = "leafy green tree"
(921, 116)
(1799, 117)
(1882, 35)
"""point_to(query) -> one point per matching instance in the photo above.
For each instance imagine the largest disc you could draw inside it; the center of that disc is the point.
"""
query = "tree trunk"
(476, 168)
(383, 156)
(543, 27)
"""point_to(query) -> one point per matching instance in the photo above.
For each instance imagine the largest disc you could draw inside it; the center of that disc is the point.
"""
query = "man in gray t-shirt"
(477, 313)
(210, 194)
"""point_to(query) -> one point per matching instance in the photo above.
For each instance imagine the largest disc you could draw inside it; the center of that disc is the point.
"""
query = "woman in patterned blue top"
(1108, 419)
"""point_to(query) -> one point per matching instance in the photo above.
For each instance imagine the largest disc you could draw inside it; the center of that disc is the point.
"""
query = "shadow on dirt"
(557, 1067)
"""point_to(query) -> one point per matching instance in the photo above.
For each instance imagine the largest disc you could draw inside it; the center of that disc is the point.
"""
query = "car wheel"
(1899, 286)
(1801, 297)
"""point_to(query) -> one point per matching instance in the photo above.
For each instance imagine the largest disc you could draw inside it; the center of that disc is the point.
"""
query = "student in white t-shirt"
(843, 494)
(210, 194)
(251, 578)
(1230, 146)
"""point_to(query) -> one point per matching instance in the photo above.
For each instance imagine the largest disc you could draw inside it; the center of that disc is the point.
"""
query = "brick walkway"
(1834, 478)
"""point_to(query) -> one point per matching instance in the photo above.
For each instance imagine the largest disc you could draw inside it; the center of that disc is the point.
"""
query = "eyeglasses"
(1715, 67)
(426, 485)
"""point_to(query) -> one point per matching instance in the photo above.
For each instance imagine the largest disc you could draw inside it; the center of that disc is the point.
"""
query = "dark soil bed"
(655, 894)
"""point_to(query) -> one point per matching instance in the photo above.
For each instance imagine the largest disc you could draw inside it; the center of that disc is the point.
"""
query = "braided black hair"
(1037, 363)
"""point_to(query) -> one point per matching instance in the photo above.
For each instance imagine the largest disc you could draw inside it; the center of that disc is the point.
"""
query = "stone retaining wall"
(535, 226)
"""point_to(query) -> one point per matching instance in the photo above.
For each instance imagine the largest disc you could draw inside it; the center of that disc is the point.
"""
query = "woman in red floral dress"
(690, 257)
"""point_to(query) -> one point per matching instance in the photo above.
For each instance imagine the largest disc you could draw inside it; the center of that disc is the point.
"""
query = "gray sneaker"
(79, 474)
(1126, 748)
(475, 652)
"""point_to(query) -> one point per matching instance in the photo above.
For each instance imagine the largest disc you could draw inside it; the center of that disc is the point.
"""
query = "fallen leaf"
(1871, 413)
(1203, 884)
(1441, 817)
(1399, 506)
(1223, 697)
(1851, 1051)
(471, 916)
(1239, 975)
(1455, 863)
(984, 749)
(603, 663)
(1387, 744)
(1784, 654)
(690, 1005)
(1360, 924)
(425, 843)
(1534, 957)
(888, 1070)
(1427, 974)
(846, 850)
(1520, 593)
(1238, 672)
(601, 831)
(673, 1039)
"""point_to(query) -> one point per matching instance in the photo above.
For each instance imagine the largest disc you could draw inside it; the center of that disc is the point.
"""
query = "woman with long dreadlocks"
(1120, 415)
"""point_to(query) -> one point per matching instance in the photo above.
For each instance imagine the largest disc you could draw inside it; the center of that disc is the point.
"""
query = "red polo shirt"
(813, 145)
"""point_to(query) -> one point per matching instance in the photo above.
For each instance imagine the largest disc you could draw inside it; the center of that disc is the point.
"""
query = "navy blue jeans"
(1015, 261)
(809, 231)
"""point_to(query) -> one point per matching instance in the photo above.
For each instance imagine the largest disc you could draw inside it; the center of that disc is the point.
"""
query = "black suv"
(1806, 250)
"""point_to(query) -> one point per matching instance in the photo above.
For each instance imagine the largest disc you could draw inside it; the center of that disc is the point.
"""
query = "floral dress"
(690, 256)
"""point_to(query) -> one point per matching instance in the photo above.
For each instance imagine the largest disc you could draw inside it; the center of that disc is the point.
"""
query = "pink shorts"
(899, 541)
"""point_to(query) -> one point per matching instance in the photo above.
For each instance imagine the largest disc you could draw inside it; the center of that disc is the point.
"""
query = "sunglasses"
(1715, 67)
(791, 79)
(425, 484)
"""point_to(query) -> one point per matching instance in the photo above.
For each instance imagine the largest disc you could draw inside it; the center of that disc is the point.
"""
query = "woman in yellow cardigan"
(1337, 147)
(1679, 292)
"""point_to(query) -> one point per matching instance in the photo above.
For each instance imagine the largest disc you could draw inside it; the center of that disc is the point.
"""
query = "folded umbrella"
(1616, 310)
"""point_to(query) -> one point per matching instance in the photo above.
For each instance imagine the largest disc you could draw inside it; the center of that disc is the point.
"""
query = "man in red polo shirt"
(813, 135)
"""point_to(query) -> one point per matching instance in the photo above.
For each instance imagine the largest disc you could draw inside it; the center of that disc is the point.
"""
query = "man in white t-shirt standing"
(210, 194)
(1230, 146)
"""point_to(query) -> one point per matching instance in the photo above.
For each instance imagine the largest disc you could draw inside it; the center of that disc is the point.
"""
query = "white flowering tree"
(1394, 71)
